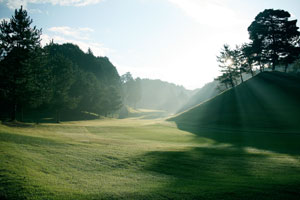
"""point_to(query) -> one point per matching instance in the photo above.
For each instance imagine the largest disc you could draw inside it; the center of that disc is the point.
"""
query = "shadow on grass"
(17, 124)
(27, 140)
(223, 173)
(47, 116)
(11, 185)
(280, 142)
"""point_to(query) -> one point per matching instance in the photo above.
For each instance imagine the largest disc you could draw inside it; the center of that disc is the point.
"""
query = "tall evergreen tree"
(18, 43)
(228, 70)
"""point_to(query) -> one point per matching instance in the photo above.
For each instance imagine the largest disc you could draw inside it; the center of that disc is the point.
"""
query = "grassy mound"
(268, 101)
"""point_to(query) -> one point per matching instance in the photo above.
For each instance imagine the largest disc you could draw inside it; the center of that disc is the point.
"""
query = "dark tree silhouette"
(275, 39)
(19, 42)
(95, 85)
(62, 77)
(294, 54)
(237, 61)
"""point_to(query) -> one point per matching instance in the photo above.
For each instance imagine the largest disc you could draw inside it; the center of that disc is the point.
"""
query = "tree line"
(153, 94)
(53, 78)
(132, 90)
(274, 42)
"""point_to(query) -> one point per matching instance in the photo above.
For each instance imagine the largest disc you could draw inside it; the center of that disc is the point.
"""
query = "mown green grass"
(145, 113)
(145, 159)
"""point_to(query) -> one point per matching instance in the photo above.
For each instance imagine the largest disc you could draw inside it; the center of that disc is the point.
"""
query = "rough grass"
(145, 159)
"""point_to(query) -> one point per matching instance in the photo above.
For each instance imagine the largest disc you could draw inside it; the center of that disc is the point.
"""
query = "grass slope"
(144, 159)
(129, 112)
(268, 101)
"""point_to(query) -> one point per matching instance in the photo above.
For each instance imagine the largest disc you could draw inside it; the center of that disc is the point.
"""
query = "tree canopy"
(275, 38)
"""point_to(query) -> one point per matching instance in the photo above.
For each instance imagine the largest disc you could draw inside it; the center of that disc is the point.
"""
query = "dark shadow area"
(11, 186)
(280, 142)
(17, 124)
(263, 113)
(223, 173)
(47, 116)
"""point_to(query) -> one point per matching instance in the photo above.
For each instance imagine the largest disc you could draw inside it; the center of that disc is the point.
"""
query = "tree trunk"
(260, 68)
(231, 79)
(231, 82)
(57, 116)
(22, 114)
(241, 77)
(285, 68)
(14, 112)
(251, 70)
(273, 66)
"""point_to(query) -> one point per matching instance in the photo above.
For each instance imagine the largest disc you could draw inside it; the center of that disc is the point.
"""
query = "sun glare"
(229, 62)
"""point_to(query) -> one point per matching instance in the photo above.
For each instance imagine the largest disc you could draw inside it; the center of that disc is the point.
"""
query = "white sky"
(172, 40)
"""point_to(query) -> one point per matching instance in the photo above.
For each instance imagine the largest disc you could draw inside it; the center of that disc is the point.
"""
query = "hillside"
(205, 93)
(208, 91)
(268, 101)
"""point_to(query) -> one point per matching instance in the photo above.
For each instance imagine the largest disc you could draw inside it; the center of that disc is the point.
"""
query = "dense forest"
(52, 80)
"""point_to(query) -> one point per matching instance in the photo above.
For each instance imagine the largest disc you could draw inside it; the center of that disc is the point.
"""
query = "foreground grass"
(145, 159)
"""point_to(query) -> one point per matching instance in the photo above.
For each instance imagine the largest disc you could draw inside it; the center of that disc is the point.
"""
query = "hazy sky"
(172, 40)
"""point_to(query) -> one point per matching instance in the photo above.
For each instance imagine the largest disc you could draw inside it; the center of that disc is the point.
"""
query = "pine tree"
(19, 42)
(227, 68)
(275, 39)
